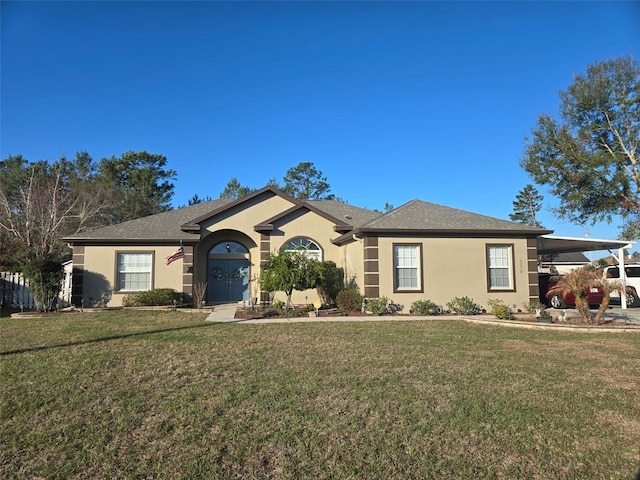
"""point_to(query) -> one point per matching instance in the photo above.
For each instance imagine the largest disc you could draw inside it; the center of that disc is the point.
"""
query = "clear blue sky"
(390, 100)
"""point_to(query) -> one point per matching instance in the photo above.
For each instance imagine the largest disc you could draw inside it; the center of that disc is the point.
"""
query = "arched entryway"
(228, 273)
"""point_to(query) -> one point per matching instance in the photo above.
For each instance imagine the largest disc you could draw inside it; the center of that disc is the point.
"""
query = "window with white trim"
(500, 271)
(134, 271)
(308, 247)
(406, 262)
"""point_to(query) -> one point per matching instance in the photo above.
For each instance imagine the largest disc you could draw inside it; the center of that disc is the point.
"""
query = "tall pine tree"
(527, 204)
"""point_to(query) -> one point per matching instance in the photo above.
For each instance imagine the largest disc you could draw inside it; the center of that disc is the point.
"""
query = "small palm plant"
(608, 287)
(577, 282)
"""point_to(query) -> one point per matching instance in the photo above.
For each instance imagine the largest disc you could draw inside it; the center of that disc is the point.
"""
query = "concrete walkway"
(223, 313)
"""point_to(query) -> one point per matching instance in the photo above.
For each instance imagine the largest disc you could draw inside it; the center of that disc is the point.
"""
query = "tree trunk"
(582, 305)
(603, 308)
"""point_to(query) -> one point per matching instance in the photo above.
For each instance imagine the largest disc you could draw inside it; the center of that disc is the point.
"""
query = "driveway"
(630, 315)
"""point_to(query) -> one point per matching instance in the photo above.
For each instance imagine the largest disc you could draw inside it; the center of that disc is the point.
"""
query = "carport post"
(623, 278)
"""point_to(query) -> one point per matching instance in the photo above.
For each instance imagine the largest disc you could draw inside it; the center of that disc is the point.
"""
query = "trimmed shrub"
(463, 306)
(157, 296)
(272, 312)
(349, 300)
(500, 309)
(378, 306)
(278, 304)
(44, 278)
(332, 281)
(533, 305)
(502, 312)
(425, 307)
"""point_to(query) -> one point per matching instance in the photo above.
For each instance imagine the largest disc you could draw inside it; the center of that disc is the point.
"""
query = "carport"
(550, 245)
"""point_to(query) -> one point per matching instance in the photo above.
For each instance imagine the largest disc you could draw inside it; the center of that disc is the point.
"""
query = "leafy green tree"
(234, 189)
(527, 204)
(588, 154)
(45, 277)
(332, 281)
(305, 182)
(289, 271)
(140, 185)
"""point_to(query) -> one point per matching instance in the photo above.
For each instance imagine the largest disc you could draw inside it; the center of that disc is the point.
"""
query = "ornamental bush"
(157, 296)
(500, 309)
(532, 305)
(463, 306)
(349, 300)
(424, 307)
(44, 277)
(331, 282)
(378, 306)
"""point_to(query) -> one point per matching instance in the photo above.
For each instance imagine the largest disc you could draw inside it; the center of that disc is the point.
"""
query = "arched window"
(229, 248)
(309, 247)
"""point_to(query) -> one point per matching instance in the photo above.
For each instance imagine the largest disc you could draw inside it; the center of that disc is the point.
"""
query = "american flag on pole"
(179, 253)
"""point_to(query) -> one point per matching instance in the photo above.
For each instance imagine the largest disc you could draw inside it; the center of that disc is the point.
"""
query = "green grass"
(163, 395)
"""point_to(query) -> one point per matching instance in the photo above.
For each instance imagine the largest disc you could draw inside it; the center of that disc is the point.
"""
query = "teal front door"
(228, 280)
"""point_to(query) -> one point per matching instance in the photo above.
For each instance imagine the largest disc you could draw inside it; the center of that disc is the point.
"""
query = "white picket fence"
(14, 290)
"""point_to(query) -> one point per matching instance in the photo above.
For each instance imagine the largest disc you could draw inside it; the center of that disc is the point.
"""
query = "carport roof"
(549, 244)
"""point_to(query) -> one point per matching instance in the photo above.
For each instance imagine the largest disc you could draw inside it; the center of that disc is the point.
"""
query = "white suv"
(633, 282)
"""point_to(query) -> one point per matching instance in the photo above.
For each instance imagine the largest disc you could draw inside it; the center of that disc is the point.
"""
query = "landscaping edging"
(557, 326)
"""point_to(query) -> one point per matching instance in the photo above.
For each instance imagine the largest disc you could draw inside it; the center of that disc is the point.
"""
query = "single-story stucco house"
(419, 251)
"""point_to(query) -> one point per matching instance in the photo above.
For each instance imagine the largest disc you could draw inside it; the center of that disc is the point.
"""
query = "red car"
(556, 300)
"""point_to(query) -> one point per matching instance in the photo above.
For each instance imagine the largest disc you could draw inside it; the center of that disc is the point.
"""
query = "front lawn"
(134, 394)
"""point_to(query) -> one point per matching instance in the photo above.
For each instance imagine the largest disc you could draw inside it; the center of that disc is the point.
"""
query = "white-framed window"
(134, 270)
(310, 248)
(407, 267)
(499, 266)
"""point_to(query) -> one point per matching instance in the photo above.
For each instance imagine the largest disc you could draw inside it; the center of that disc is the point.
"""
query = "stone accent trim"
(265, 247)
(265, 251)
(187, 270)
(371, 268)
(77, 279)
(532, 268)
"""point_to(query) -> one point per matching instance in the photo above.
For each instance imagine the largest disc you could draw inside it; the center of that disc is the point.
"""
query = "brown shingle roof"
(416, 216)
(161, 226)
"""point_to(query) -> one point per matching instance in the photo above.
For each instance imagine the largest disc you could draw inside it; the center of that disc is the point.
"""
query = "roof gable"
(254, 197)
(339, 226)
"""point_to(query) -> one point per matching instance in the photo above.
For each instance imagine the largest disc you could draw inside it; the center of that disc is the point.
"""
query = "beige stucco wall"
(100, 272)
(352, 261)
(451, 267)
(455, 267)
(245, 216)
(240, 228)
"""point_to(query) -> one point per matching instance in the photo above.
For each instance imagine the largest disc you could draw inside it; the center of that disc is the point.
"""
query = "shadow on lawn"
(103, 339)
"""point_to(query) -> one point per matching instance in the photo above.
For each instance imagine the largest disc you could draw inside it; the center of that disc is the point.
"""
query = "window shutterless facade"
(500, 267)
(134, 271)
(407, 266)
